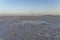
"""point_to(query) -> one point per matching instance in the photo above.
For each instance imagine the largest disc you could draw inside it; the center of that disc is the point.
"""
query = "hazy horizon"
(24, 7)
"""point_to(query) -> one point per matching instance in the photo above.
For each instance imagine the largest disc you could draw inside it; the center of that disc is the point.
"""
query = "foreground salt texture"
(29, 30)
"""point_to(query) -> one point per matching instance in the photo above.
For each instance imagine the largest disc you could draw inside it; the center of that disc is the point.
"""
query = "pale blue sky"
(27, 5)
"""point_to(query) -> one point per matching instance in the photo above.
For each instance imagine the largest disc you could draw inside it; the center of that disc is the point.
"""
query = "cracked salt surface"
(29, 30)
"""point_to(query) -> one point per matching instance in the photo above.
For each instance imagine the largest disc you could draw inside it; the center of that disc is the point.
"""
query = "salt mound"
(34, 22)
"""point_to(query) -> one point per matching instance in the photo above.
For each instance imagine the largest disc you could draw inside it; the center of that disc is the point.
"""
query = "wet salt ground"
(16, 31)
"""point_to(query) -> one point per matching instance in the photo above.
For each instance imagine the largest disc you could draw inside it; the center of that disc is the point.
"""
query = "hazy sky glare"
(28, 5)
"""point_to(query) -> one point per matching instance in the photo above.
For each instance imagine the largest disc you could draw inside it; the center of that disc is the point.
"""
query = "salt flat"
(11, 28)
